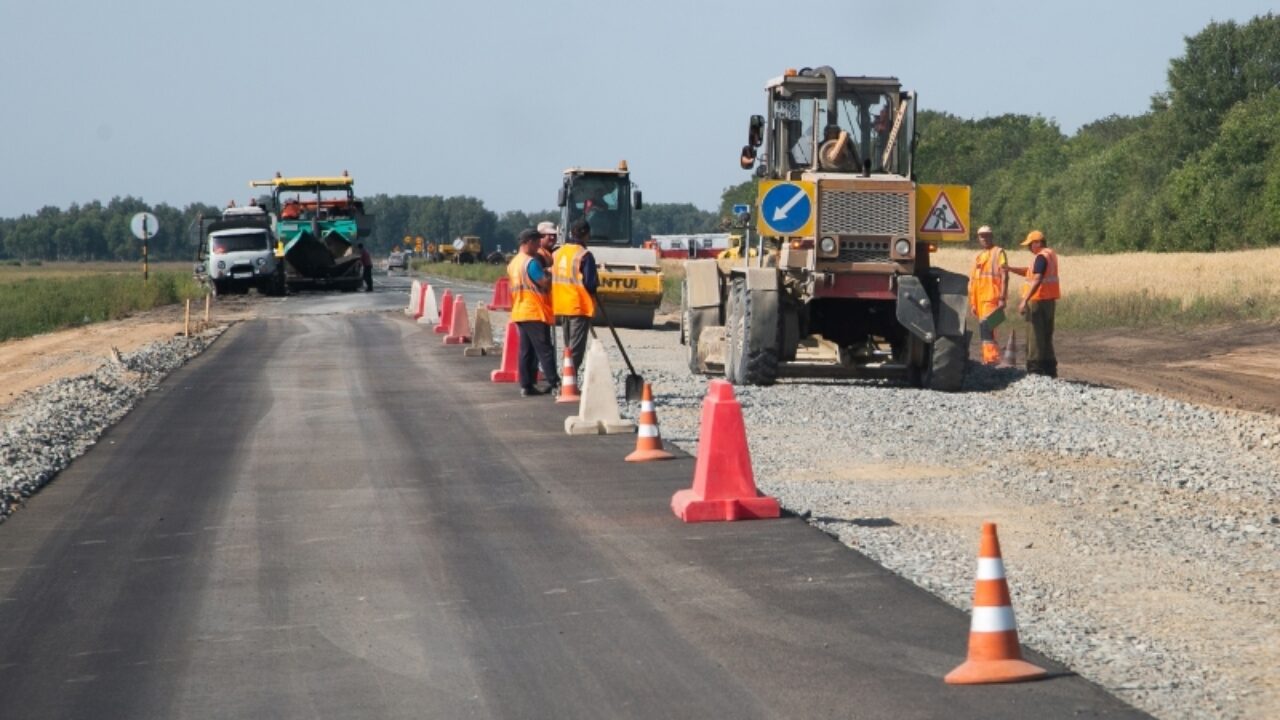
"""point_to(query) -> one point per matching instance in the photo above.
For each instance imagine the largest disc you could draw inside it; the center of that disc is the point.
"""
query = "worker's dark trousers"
(368, 278)
(1041, 359)
(535, 349)
(577, 328)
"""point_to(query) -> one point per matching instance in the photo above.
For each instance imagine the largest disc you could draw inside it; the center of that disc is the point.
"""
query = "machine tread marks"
(746, 365)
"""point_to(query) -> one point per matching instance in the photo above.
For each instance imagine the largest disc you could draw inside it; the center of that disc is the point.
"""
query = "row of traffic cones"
(724, 489)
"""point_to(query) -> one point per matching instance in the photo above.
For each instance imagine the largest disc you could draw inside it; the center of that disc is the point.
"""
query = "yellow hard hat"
(1033, 236)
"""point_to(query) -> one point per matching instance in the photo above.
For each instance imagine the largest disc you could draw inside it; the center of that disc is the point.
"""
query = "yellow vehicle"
(734, 251)
(630, 277)
(466, 249)
(846, 288)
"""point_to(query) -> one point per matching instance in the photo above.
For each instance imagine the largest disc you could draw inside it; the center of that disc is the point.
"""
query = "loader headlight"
(827, 245)
(262, 261)
(902, 247)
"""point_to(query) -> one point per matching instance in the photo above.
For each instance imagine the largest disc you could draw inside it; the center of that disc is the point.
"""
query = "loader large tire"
(949, 361)
(745, 364)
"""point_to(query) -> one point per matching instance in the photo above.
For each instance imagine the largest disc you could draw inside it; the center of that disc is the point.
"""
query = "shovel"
(634, 386)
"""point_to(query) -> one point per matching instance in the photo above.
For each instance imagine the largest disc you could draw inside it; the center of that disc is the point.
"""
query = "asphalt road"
(336, 516)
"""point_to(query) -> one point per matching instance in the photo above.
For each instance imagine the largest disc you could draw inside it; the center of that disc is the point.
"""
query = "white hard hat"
(984, 230)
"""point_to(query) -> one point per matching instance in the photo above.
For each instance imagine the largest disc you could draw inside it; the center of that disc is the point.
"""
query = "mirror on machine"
(755, 131)
(562, 197)
(636, 203)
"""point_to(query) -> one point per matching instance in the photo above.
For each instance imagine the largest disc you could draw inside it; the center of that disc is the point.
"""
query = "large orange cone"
(459, 325)
(446, 313)
(648, 440)
(501, 294)
(1010, 358)
(568, 380)
(994, 654)
(508, 372)
(724, 487)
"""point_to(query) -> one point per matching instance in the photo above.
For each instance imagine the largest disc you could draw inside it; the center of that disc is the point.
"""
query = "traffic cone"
(446, 313)
(508, 372)
(501, 294)
(648, 440)
(994, 654)
(724, 487)
(459, 326)
(430, 311)
(415, 293)
(568, 380)
(1010, 358)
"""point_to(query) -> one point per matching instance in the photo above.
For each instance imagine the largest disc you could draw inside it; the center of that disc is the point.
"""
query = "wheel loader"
(843, 286)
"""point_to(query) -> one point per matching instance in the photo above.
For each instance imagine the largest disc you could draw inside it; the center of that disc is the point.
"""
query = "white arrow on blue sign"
(786, 208)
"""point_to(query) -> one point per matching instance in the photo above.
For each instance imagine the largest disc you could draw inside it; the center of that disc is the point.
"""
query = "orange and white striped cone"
(994, 653)
(648, 440)
(568, 381)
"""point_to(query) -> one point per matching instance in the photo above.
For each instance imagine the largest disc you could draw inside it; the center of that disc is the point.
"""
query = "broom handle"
(616, 339)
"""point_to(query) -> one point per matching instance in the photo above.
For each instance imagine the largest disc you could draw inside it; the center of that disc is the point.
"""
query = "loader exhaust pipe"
(830, 76)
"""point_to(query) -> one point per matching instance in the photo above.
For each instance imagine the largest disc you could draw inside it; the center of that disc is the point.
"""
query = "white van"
(239, 253)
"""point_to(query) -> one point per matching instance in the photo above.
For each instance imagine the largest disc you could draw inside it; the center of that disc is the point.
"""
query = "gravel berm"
(1141, 535)
(42, 431)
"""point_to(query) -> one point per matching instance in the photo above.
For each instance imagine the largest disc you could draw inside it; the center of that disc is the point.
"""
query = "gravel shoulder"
(1140, 532)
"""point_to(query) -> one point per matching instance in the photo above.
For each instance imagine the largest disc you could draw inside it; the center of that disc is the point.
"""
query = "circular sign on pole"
(144, 225)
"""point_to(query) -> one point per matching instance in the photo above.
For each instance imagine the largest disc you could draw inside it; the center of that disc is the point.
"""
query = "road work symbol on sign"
(786, 208)
(943, 218)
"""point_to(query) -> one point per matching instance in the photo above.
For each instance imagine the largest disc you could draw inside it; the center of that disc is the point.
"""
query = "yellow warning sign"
(942, 212)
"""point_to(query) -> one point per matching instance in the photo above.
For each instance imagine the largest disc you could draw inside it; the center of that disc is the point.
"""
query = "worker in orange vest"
(988, 292)
(1039, 301)
(574, 282)
(531, 312)
(548, 234)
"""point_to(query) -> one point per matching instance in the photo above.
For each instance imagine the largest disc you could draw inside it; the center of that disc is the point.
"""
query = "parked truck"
(318, 221)
(235, 251)
(844, 286)
(630, 277)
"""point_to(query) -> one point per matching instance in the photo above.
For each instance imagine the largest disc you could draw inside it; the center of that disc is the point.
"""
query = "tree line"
(1199, 171)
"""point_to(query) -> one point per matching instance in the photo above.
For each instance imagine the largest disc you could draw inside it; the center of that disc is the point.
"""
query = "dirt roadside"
(28, 363)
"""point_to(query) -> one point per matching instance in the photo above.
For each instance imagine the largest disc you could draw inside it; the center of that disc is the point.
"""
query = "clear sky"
(181, 102)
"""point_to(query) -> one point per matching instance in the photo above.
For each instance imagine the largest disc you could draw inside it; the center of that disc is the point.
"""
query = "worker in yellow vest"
(1039, 301)
(531, 312)
(574, 281)
(988, 292)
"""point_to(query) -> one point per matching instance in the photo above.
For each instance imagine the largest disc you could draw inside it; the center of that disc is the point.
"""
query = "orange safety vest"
(1049, 288)
(569, 295)
(986, 282)
(528, 301)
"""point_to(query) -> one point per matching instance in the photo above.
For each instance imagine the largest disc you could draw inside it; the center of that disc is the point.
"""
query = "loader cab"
(605, 198)
(848, 125)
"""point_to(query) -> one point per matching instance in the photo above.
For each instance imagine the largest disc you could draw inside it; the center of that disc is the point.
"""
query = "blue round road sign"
(786, 208)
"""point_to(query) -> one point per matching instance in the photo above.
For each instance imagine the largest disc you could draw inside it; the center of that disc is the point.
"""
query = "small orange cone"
(508, 372)
(648, 440)
(1010, 358)
(459, 326)
(568, 381)
(994, 654)
(446, 313)
(724, 486)
(501, 295)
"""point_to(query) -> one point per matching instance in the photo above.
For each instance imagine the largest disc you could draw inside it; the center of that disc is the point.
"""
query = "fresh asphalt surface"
(337, 516)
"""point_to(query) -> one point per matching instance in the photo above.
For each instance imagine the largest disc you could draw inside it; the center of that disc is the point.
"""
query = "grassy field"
(41, 298)
(475, 272)
(1128, 290)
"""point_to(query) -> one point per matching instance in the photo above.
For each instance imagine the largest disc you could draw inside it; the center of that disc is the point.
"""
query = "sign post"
(144, 226)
